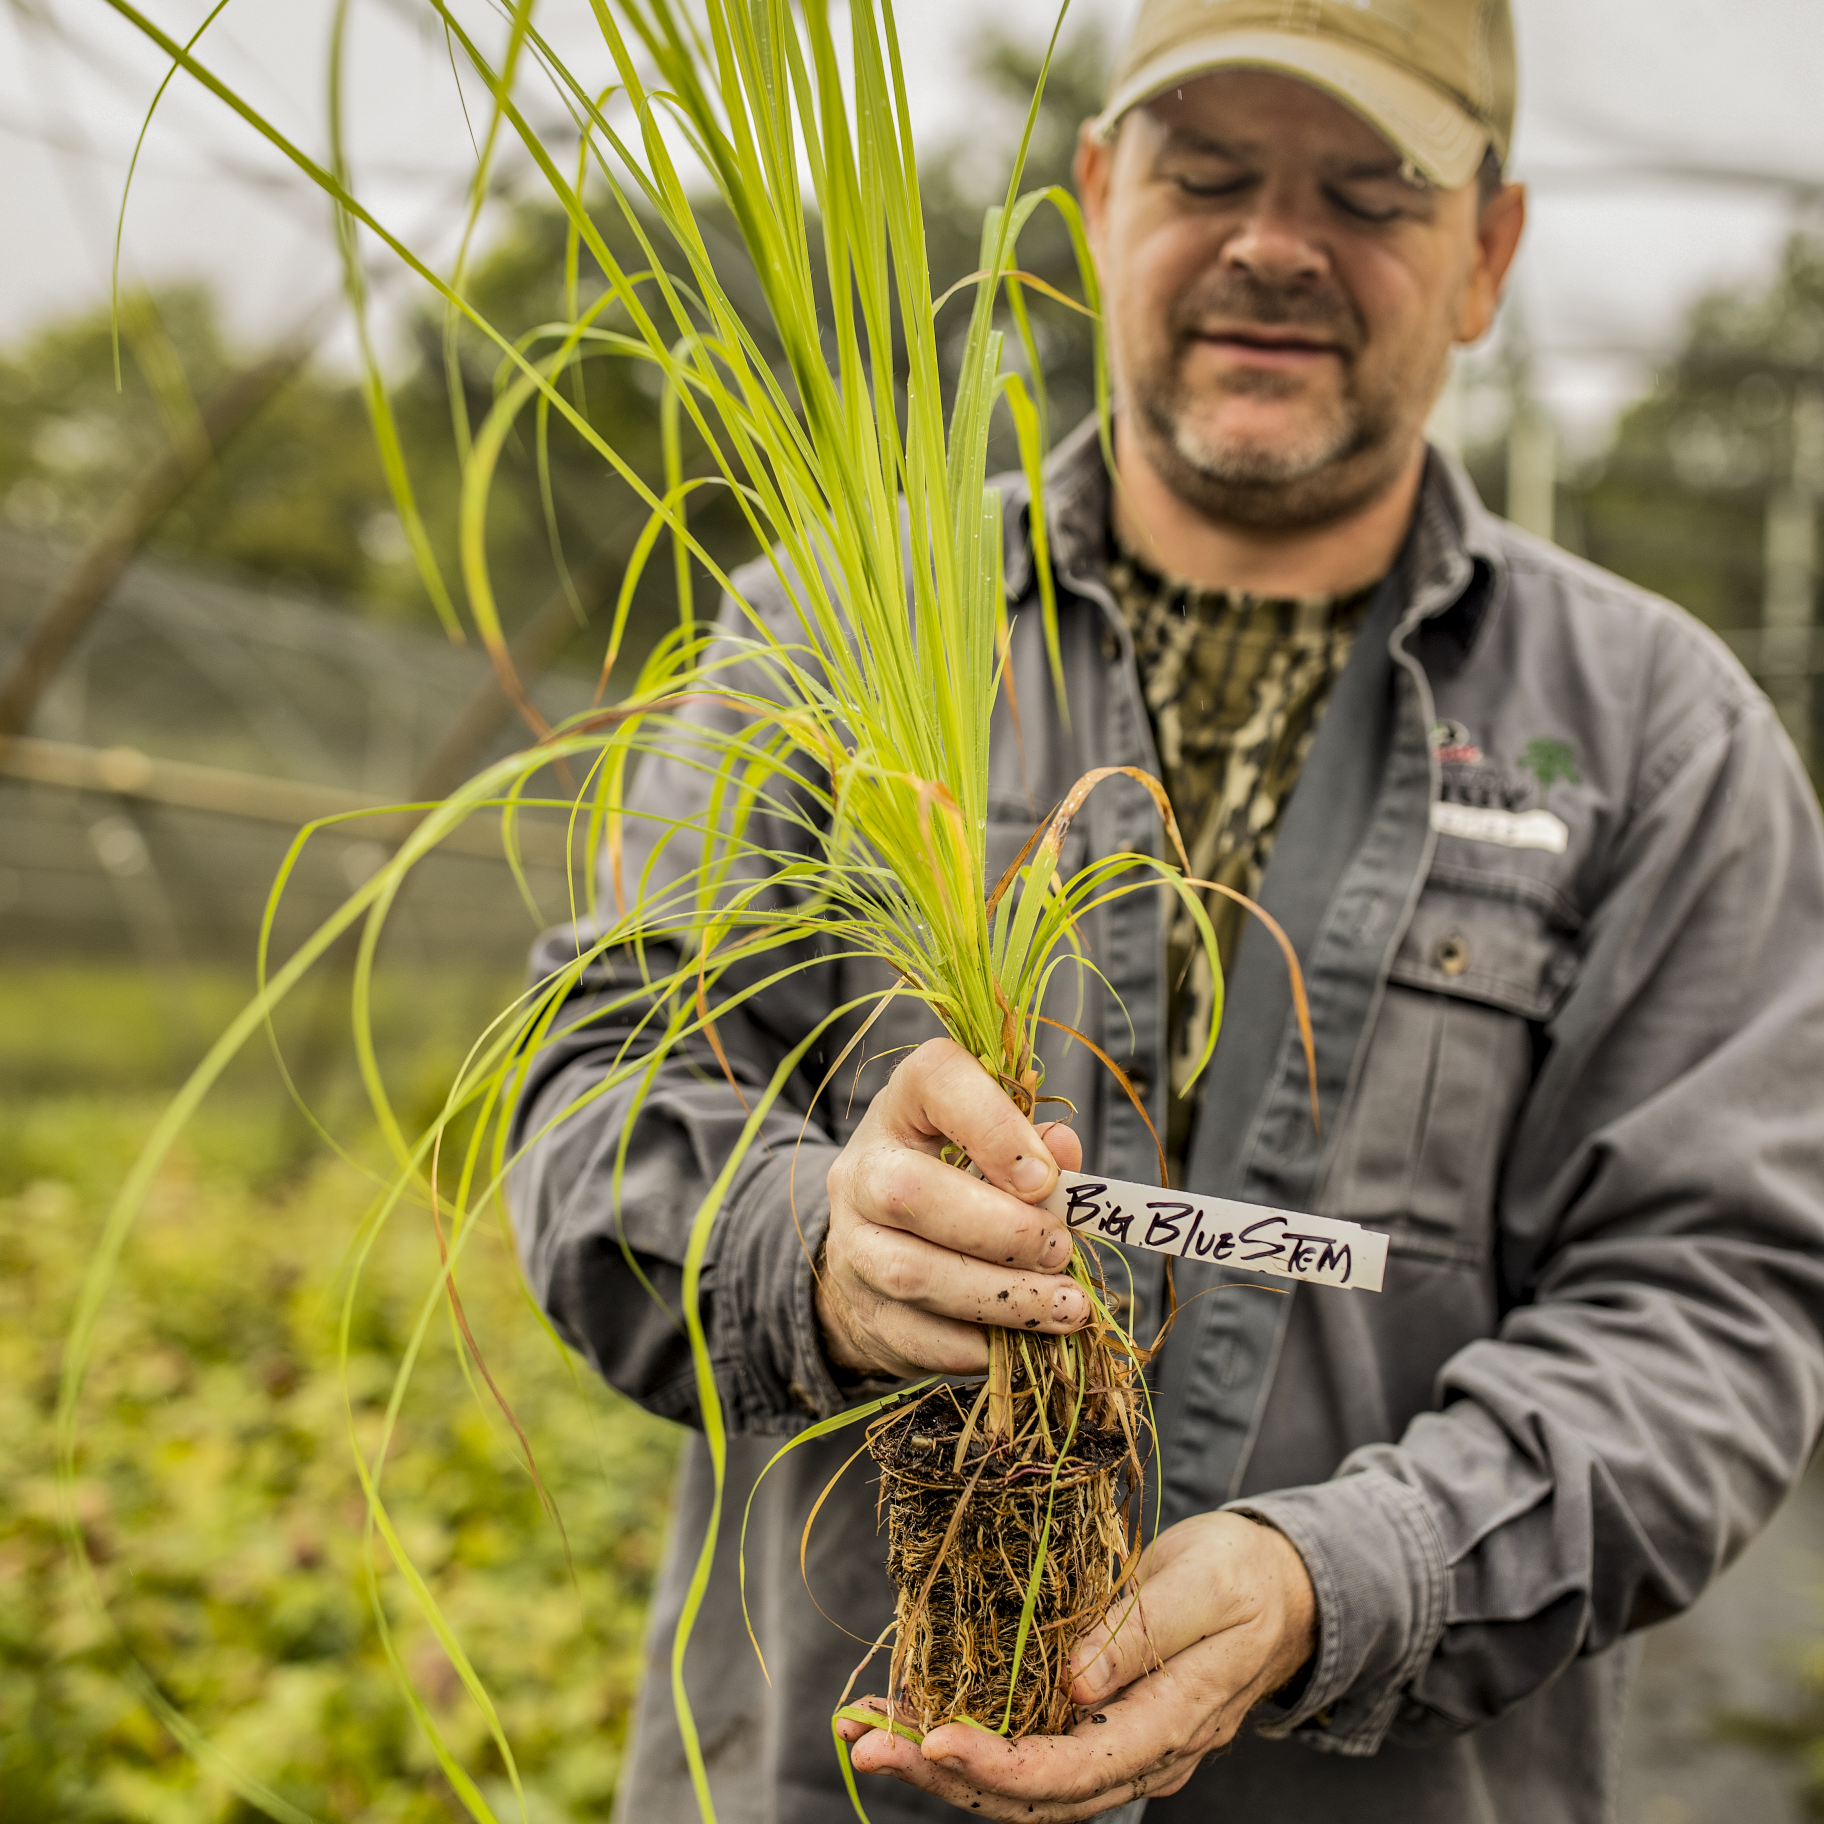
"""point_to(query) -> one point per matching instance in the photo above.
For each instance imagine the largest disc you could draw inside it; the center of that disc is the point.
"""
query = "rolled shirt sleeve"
(588, 1243)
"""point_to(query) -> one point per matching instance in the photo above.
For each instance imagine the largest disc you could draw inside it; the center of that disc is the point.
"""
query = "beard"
(1347, 452)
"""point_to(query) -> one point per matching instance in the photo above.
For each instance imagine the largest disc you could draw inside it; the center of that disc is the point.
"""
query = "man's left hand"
(1224, 1616)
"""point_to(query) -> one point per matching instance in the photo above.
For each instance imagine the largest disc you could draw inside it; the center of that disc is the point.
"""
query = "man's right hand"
(921, 1255)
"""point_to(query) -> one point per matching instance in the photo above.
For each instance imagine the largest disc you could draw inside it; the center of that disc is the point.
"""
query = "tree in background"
(1679, 501)
(301, 498)
(297, 500)
(1709, 486)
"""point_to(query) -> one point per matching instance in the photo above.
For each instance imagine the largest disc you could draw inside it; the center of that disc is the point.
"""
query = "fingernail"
(1069, 1306)
(1029, 1174)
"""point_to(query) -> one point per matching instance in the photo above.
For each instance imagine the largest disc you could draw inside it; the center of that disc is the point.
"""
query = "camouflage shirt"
(1236, 685)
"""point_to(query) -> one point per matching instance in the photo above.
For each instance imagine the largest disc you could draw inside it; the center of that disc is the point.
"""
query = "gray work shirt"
(1556, 878)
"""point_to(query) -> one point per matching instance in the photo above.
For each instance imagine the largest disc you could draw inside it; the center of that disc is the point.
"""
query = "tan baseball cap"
(1436, 77)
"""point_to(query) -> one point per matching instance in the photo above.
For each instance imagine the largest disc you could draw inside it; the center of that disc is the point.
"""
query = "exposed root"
(1037, 1466)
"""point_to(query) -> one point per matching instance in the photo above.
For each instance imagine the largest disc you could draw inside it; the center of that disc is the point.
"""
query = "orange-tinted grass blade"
(1005, 643)
(1300, 1004)
(614, 840)
(826, 747)
(931, 791)
(861, 1665)
(1057, 887)
(1057, 297)
(709, 1032)
(1010, 1029)
(968, 1432)
(647, 706)
(1024, 278)
(607, 718)
(822, 1429)
(1013, 868)
(1062, 816)
(501, 658)
(1121, 1078)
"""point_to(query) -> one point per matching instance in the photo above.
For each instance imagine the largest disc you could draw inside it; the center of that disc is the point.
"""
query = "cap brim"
(1441, 137)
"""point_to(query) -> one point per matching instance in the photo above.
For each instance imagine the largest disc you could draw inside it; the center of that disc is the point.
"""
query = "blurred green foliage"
(962, 179)
(1675, 501)
(1677, 498)
(299, 496)
(1678, 502)
(297, 500)
(1794, 1736)
(216, 1491)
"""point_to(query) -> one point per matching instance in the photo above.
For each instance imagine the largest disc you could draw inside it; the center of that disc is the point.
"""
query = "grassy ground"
(217, 1492)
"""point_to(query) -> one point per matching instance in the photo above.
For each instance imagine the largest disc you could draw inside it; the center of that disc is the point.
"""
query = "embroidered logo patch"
(1549, 761)
(1453, 745)
(1486, 800)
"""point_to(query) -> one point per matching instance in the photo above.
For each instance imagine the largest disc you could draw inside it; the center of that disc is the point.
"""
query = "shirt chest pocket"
(1449, 1061)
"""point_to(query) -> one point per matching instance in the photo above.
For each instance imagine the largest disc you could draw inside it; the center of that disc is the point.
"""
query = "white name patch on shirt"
(1512, 829)
(1217, 1229)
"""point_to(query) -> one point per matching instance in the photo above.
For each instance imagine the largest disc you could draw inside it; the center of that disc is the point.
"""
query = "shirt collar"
(1452, 568)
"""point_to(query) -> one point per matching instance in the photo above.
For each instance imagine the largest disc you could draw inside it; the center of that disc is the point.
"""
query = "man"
(1558, 887)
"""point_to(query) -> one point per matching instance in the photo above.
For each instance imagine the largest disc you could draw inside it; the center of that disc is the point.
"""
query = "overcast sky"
(1624, 105)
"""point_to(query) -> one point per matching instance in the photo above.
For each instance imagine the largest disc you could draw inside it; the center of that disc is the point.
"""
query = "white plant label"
(1217, 1229)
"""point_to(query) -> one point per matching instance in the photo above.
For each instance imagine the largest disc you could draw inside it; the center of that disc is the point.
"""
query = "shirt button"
(1452, 954)
(1111, 644)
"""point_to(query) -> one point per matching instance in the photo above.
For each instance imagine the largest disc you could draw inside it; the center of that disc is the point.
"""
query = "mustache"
(1227, 300)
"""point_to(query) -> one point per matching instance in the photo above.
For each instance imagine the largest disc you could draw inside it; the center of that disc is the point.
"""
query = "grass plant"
(844, 751)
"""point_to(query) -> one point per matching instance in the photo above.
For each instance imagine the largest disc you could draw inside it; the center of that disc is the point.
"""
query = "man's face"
(1280, 302)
